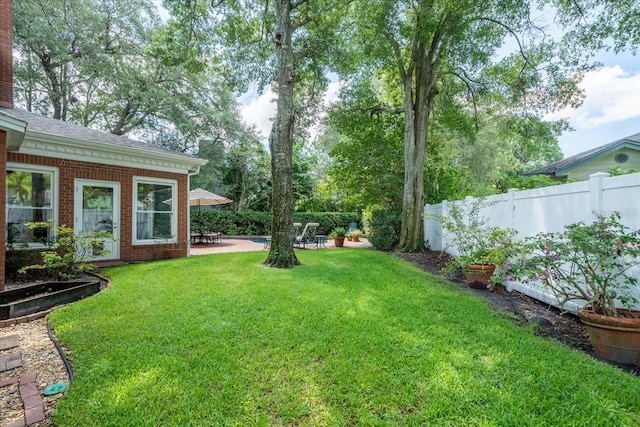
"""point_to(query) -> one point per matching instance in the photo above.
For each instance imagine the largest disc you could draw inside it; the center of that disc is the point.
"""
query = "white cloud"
(260, 111)
(331, 94)
(611, 95)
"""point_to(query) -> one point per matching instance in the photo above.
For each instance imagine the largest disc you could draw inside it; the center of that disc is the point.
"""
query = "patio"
(245, 244)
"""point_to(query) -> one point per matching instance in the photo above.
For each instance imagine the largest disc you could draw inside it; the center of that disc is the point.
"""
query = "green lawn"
(350, 337)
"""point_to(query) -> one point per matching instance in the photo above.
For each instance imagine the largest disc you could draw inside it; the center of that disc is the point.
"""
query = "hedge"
(259, 223)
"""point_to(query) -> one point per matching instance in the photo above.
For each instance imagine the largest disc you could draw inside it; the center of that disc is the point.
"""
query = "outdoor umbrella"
(200, 197)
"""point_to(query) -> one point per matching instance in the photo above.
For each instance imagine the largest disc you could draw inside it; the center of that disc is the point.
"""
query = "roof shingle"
(47, 125)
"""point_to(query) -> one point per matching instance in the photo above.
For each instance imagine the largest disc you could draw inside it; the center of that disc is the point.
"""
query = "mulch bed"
(551, 323)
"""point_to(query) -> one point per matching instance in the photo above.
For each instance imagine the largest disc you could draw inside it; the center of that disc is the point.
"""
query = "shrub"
(589, 263)
(476, 241)
(70, 252)
(382, 227)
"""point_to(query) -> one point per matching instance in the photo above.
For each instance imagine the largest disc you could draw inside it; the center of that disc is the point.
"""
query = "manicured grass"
(350, 337)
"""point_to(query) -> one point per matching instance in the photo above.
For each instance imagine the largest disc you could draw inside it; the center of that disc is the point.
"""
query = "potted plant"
(338, 235)
(590, 264)
(348, 236)
(480, 248)
(355, 235)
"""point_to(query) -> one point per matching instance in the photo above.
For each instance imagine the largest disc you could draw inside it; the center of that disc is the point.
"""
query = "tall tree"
(285, 43)
(281, 253)
(433, 46)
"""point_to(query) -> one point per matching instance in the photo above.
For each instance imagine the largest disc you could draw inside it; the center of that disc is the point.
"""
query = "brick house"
(87, 179)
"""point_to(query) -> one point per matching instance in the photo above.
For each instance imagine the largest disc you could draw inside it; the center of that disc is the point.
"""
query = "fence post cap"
(600, 174)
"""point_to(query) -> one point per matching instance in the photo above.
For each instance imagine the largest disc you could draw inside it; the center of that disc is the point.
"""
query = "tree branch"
(465, 79)
(376, 109)
(510, 31)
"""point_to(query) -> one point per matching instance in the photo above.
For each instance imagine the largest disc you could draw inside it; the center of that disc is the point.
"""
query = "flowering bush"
(587, 263)
(476, 242)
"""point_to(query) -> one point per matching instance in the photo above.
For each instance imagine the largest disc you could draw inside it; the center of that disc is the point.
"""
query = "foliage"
(251, 223)
(599, 24)
(476, 242)
(70, 252)
(112, 65)
(617, 171)
(351, 337)
(530, 182)
(15, 259)
(451, 55)
(338, 232)
(356, 233)
(585, 262)
(367, 157)
(382, 226)
(238, 169)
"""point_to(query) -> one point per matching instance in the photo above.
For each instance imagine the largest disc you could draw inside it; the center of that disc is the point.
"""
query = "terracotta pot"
(477, 275)
(614, 338)
(338, 241)
(356, 238)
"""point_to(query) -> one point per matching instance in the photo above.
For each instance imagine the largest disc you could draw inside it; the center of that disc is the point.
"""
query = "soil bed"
(550, 322)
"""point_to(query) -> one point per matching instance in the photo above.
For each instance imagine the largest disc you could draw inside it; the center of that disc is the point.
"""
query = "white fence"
(547, 209)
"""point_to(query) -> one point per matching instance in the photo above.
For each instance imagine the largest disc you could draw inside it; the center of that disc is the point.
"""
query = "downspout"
(189, 175)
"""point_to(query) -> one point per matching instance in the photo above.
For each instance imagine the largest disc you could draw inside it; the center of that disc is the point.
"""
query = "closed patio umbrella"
(200, 197)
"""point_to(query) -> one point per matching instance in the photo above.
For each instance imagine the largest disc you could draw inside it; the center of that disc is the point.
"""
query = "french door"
(97, 208)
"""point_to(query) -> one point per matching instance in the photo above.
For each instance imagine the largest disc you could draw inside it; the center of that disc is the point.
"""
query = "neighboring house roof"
(55, 138)
(561, 167)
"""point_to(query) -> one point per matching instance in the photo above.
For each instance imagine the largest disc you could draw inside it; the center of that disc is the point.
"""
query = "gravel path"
(38, 354)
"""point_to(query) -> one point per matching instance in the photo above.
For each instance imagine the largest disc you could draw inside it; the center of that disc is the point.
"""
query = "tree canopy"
(107, 65)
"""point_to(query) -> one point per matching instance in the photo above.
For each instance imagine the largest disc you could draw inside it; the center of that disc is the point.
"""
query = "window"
(621, 158)
(31, 196)
(155, 206)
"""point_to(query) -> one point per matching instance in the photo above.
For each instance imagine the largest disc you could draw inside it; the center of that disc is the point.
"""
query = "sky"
(611, 108)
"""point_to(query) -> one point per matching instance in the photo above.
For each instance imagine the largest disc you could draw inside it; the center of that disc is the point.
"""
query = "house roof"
(560, 168)
(79, 139)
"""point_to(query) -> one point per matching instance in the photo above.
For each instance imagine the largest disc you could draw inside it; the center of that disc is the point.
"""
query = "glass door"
(97, 208)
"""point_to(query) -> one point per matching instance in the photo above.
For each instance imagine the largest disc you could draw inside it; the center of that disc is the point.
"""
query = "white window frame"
(55, 193)
(174, 210)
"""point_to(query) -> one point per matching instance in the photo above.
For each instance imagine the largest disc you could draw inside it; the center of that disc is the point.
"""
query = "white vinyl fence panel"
(547, 209)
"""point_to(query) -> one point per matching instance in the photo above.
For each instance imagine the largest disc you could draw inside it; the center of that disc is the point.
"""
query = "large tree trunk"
(415, 142)
(420, 90)
(281, 254)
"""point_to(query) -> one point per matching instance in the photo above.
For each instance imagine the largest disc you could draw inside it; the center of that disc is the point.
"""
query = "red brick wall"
(6, 54)
(69, 170)
(3, 197)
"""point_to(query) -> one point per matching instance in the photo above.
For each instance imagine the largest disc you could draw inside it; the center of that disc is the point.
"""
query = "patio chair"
(212, 236)
(296, 231)
(308, 235)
